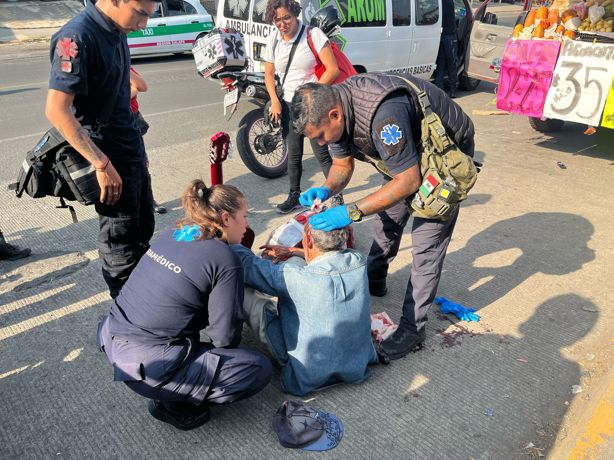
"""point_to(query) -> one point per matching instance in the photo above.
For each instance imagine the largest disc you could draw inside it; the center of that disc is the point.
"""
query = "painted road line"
(599, 427)
(154, 114)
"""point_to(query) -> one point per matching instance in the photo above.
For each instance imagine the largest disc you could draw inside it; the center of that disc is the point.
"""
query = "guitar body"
(220, 144)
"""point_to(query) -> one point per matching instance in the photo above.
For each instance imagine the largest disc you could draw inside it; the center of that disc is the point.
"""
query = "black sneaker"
(159, 209)
(183, 416)
(378, 289)
(290, 204)
(402, 342)
(10, 252)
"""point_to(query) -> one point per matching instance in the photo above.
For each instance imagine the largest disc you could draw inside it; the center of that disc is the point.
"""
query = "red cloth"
(134, 104)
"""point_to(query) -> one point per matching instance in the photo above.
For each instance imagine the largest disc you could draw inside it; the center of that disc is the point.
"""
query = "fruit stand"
(559, 65)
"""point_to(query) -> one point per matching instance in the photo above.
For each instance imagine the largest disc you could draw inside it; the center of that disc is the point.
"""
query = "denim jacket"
(323, 332)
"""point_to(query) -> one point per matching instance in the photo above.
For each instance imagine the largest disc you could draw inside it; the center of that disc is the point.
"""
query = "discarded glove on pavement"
(463, 313)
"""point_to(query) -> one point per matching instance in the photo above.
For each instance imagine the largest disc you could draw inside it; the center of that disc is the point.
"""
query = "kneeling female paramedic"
(189, 280)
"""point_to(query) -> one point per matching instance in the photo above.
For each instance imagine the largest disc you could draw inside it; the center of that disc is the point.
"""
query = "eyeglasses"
(285, 19)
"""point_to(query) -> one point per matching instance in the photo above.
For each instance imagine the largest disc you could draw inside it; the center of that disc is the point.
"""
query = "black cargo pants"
(447, 62)
(430, 239)
(125, 227)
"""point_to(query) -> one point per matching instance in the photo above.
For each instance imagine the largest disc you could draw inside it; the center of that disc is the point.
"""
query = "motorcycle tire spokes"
(268, 144)
(262, 149)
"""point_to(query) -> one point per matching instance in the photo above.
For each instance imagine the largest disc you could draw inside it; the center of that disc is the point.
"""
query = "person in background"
(139, 85)
(319, 330)
(189, 281)
(447, 61)
(10, 251)
(284, 14)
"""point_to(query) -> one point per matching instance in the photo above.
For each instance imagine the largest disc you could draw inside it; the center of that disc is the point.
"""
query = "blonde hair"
(204, 205)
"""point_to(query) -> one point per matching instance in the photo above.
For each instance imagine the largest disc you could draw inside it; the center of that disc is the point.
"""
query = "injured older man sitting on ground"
(319, 328)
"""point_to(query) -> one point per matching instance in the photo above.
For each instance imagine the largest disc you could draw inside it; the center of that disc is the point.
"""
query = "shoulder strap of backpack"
(311, 45)
(433, 122)
(292, 51)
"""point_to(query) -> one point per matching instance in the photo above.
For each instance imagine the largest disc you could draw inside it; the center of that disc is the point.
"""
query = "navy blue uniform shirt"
(394, 128)
(89, 55)
(179, 288)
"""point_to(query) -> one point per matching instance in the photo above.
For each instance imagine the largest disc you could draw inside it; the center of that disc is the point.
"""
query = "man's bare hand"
(110, 184)
(278, 253)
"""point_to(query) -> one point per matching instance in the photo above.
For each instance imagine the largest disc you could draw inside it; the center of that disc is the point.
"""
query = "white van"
(376, 34)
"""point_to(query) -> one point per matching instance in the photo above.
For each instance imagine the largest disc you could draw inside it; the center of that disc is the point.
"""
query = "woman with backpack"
(290, 58)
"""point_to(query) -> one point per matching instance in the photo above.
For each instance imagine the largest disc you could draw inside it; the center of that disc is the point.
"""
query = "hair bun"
(203, 193)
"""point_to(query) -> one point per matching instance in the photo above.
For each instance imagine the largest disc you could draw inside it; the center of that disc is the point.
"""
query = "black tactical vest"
(362, 95)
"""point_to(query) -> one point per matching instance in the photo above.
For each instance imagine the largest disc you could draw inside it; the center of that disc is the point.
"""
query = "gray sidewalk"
(536, 266)
(34, 20)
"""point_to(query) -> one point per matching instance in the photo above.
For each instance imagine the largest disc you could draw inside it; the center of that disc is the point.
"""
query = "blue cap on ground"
(298, 425)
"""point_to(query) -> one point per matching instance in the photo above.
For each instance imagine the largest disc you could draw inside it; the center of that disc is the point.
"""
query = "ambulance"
(377, 35)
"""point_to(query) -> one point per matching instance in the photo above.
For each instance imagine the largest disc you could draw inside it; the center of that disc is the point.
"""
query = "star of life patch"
(391, 134)
(66, 48)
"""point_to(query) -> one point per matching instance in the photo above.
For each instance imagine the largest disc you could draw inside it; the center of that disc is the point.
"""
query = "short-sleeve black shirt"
(89, 55)
(393, 133)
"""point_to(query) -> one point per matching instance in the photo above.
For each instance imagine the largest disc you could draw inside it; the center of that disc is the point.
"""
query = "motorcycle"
(260, 144)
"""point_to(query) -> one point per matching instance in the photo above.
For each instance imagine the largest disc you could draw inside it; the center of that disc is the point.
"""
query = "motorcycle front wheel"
(262, 151)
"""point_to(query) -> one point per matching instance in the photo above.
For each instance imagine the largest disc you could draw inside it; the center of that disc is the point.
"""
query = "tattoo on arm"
(339, 175)
(86, 146)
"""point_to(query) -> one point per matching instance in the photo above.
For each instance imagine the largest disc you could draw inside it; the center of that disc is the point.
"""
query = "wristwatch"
(354, 213)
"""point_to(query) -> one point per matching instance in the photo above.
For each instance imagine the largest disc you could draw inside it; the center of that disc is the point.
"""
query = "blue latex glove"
(461, 312)
(331, 219)
(307, 198)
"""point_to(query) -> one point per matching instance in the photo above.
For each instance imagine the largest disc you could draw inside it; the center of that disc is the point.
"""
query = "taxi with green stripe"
(173, 28)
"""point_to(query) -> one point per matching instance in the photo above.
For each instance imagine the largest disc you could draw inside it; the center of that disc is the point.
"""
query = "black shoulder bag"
(54, 168)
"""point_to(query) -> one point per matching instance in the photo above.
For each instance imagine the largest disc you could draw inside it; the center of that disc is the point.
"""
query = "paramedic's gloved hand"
(331, 219)
(461, 312)
(307, 198)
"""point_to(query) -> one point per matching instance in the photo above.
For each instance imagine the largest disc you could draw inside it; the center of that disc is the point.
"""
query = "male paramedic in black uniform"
(89, 56)
(375, 116)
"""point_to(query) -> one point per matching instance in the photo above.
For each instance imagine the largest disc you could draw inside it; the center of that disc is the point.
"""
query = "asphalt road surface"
(180, 106)
(532, 252)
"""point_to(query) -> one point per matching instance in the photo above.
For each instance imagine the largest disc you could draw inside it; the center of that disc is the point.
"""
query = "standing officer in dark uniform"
(447, 61)
(374, 118)
(89, 56)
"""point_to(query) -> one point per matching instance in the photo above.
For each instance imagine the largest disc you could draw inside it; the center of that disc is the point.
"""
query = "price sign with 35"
(580, 82)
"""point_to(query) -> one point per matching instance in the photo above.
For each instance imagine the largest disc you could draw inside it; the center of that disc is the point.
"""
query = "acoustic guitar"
(220, 145)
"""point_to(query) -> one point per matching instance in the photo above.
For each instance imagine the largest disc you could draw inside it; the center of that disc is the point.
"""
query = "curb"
(592, 434)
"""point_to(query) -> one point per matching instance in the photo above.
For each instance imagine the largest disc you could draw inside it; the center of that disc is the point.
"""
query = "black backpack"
(54, 168)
